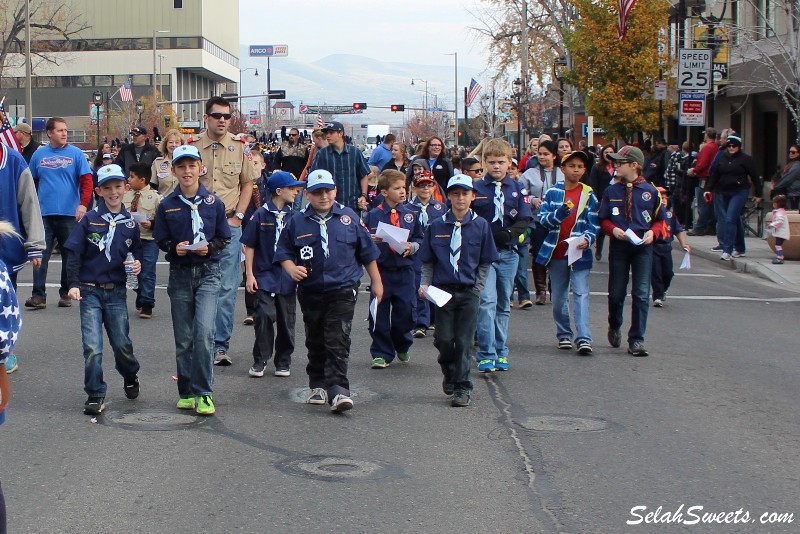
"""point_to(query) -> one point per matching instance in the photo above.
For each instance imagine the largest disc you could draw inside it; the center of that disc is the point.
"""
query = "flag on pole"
(125, 92)
(320, 122)
(474, 91)
(625, 8)
(7, 136)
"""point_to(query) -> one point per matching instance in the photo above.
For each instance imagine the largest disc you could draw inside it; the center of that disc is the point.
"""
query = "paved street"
(560, 444)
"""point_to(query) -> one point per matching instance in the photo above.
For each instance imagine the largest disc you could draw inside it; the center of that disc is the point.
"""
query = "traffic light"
(359, 106)
(398, 107)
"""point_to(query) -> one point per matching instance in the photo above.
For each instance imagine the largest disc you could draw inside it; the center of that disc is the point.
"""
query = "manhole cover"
(563, 423)
(358, 392)
(153, 420)
(335, 469)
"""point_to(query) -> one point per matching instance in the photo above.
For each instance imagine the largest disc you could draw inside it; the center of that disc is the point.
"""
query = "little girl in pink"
(779, 226)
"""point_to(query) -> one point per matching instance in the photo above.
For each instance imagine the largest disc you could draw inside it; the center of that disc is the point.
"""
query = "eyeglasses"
(474, 170)
(218, 116)
(621, 163)
(435, 146)
(731, 145)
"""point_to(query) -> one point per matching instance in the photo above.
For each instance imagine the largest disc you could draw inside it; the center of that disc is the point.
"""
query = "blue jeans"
(147, 278)
(705, 212)
(495, 307)
(624, 258)
(230, 275)
(193, 292)
(55, 227)
(730, 228)
(107, 307)
(521, 278)
(561, 275)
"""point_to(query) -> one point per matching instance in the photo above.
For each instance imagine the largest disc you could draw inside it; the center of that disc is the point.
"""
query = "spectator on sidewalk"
(704, 224)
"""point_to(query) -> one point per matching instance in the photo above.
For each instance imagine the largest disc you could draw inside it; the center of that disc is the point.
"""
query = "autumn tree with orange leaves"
(617, 77)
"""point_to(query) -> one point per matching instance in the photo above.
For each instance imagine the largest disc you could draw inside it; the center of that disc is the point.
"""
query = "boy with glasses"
(628, 212)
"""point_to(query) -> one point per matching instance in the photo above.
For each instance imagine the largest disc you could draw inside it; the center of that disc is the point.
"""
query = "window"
(84, 81)
(177, 4)
(141, 79)
(45, 81)
(765, 18)
(102, 81)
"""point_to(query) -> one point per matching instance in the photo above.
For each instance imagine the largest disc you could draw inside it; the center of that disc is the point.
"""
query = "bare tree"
(54, 25)
(770, 42)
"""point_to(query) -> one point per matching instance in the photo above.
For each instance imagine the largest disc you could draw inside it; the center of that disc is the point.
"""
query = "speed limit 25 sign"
(694, 69)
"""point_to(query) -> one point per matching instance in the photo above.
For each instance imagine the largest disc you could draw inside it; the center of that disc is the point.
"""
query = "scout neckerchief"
(197, 222)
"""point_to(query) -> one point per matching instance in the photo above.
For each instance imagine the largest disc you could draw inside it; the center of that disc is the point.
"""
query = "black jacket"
(28, 151)
(127, 156)
(731, 172)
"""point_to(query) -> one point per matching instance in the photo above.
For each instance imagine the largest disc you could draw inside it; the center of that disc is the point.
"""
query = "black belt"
(109, 285)
(453, 288)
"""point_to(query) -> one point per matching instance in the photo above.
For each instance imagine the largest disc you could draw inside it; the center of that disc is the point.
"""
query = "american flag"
(125, 92)
(474, 91)
(7, 136)
(320, 122)
(625, 8)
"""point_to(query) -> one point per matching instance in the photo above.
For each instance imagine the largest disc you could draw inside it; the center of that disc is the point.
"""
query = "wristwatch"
(239, 215)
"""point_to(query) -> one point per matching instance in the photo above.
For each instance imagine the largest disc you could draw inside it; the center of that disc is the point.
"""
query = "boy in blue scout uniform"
(457, 255)
(191, 216)
(503, 203)
(323, 248)
(662, 274)
(272, 287)
(396, 315)
(427, 208)
(97, 250)
(631, 204)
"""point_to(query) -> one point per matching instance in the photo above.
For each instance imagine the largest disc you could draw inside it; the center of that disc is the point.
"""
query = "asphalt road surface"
(559, 444)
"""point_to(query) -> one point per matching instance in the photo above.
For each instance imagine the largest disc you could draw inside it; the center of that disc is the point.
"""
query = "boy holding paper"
(662, 274)
(456, 255)
(192, 229)
(569, 211)
(632, 204)
(396, 315)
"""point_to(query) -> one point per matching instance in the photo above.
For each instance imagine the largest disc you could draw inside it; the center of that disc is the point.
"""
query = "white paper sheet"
(438, 296)
(687, 261)
(139, 217)
(573, 252)
(373, 312)
(393, 236)
(197, 246)
(632, 237)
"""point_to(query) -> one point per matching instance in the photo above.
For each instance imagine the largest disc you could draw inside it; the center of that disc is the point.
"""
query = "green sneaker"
(205, 405)
(379, 363)
(186, 403)
(403, 356)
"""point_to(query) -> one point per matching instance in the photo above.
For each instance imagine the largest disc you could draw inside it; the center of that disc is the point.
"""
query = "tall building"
(187, 48)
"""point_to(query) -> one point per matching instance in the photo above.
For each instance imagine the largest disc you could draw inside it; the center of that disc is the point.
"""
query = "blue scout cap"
(460, 180)
(109, 172)
(282, 179)
(185, 151)
(320, 179)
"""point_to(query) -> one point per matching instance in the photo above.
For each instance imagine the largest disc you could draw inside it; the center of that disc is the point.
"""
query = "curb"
(744, 266)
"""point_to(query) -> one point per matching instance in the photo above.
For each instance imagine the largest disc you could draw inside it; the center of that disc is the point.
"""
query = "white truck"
(373, 131)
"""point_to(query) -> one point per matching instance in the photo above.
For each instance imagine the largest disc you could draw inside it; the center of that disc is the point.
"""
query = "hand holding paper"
(632, 237)
(687, 261)
(196, 246)
(573, 252)
(393, 236)
(438, 296)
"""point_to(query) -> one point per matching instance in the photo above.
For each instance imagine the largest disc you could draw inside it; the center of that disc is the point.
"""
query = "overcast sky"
(416, 31)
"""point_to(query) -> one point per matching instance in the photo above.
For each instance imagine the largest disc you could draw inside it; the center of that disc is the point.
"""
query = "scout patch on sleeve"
(408, 217)
(646, 215)
(345, 220)
(646, 196)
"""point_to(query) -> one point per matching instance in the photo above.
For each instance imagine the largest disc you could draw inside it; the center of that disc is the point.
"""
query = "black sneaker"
(94, 406)
(717, 248)
(146, 312)
(131, 387)
(614, 337)
(637, 349)
(461, 399)
(447, 387)
(565, 344)
(257, 370)
(584, 348)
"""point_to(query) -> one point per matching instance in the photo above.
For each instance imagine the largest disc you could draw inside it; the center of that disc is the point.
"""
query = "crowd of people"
(446, 237)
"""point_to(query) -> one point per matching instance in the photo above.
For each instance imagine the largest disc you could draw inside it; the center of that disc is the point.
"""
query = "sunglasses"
(218, 116)
(794, 152)
(294, 135)
(732, 145)
(475, 170)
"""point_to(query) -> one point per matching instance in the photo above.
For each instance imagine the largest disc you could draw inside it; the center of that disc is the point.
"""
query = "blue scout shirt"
(408, 220)
(174, 222)
(517, 204)
(433, 209)
(349, 247)
(90, 263)
(645, 207)
(671, 227)
(477, 248)
(259, 234)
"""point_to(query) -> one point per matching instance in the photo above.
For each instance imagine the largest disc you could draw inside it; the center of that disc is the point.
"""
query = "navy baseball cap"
(282, 179)
(139, 130)
(333, 126)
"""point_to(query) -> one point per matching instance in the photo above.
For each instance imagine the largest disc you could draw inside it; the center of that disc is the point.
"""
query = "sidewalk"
(757, 261)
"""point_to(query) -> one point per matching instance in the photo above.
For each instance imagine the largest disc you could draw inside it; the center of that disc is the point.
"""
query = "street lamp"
(97, 97)
(426, 91)
(155, 55)
(518, 88)
(240, 83)
(560, 62)
(140, 110)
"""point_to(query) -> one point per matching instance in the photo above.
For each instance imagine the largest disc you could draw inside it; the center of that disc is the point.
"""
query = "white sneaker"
(341, 403)
(737, 254)
(658, 303)
(725, 257)
(318, 396)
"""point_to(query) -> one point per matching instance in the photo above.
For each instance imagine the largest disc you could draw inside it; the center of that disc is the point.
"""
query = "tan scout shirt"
(162, 175)
(148, 204)
(225, 167)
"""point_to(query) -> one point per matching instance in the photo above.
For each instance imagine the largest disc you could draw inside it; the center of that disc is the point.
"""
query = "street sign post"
(692, 110)
(694, 69)
(660, 90)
